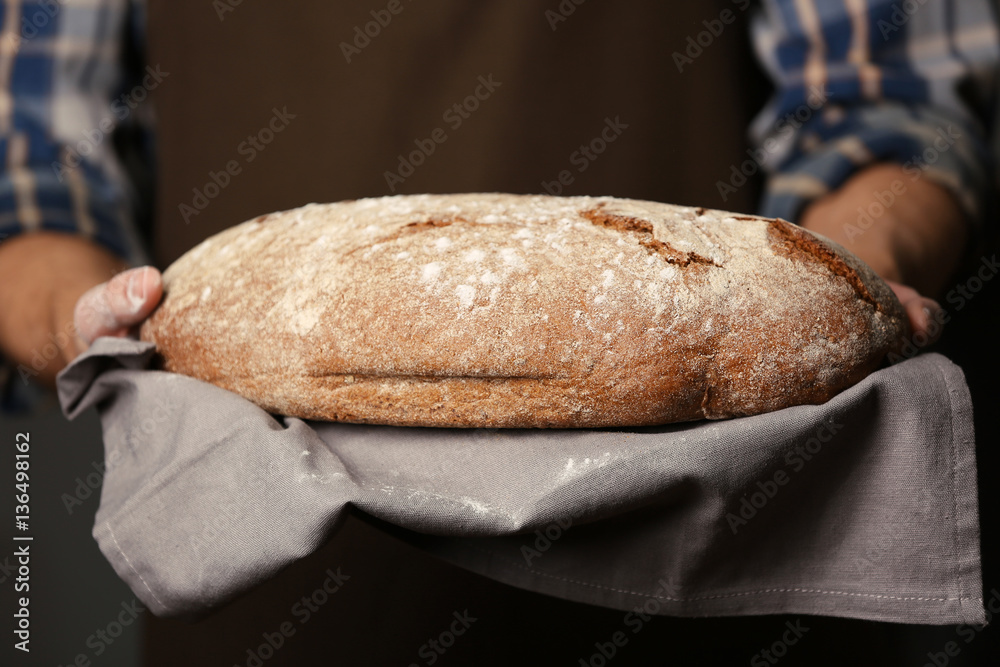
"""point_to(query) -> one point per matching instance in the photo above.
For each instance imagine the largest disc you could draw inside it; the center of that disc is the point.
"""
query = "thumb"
(112, 308)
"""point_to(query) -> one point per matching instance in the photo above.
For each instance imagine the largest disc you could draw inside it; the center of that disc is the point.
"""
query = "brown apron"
(269, 106)
(590, 90)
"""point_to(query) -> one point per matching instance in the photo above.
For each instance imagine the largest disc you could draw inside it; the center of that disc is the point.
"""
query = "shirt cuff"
(79, 201)
(66, 198)
(834, 144)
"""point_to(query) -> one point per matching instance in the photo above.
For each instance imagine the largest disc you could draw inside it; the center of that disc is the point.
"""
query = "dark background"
(686, 129)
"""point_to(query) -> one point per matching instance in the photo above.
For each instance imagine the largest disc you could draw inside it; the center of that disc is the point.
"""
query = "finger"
(903, 292)
(924, 314)
(111, 308)
(924, 318)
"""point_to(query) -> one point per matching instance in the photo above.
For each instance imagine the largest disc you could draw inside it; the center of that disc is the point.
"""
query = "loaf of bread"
(497, 310)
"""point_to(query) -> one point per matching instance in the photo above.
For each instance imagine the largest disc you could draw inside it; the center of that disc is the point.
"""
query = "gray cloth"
(863, 507)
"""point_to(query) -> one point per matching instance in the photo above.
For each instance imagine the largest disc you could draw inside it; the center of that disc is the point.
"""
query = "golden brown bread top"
(522, 311)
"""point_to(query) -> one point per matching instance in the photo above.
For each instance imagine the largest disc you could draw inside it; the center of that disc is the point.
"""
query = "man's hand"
(115, 307)
(913, 243)
(42, 277)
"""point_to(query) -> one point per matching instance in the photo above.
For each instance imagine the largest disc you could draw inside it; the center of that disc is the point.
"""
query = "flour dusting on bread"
(504, 310)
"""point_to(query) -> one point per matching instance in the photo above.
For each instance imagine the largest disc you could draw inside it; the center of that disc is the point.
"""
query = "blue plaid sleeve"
(65, 88)
(866, 81)
(63, 92)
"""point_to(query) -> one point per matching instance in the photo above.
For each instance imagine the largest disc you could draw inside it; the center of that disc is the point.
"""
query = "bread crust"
(497, 310)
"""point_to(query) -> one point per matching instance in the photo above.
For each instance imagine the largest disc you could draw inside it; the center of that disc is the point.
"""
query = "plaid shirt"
(63, 91)
(864, 81)
(858, 81)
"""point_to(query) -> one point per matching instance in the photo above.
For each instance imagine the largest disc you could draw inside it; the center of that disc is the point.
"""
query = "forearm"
(909, 231)
(42, 275)
(838, 125)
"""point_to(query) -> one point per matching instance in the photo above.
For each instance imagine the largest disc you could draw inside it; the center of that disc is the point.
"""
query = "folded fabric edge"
(119, 560)
(73, 383)
(965, 490)
(663, 600)
(965, 607)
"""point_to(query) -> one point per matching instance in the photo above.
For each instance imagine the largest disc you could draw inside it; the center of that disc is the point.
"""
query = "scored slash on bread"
(498, 310)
